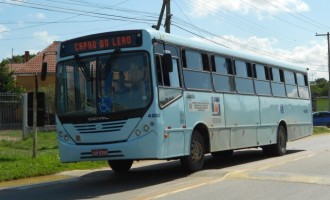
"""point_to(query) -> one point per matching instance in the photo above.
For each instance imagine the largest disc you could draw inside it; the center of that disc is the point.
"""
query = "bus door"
(171, 103)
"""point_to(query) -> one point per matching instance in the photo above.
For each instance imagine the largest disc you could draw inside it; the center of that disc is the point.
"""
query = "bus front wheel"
(195, 161)
(120, 166)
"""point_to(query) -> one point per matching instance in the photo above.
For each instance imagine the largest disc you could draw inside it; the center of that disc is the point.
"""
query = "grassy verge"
(320, 130)
(16, 160)
(322, 104)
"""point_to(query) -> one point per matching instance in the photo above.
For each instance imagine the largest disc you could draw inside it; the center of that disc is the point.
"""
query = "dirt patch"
(9, 138)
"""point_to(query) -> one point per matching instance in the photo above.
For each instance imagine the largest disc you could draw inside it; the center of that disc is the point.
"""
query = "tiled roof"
(34, 65)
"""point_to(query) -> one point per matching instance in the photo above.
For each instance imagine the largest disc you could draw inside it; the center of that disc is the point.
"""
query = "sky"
(283, 29)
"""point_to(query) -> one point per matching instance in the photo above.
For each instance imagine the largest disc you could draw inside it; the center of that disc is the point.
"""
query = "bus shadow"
(123, 186)
(107, 182)
(240, 158)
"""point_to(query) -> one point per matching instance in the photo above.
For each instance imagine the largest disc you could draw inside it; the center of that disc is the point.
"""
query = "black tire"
(267, 150)
(195, 161)
(223, 154)
(278, 149)
(120, 166)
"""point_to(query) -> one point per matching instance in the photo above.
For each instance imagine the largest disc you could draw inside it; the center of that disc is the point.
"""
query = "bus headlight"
(66, 137)
(137, 132)
(146, 128)
(61, 134)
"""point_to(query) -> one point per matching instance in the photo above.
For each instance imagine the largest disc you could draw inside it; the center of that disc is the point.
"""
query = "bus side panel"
(174, 119)
(294, 112)
(300, 118)
(266, 135)
(219, 134)
(198, 108)
(208, 109)
(269, 117)
(242, 114)
(220, 139)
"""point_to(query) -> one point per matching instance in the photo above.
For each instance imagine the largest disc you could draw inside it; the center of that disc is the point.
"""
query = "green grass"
(322, 104)
(320, 130)
(16, 160)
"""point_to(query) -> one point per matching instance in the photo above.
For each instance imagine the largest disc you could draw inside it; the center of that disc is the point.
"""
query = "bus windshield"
(103, 84)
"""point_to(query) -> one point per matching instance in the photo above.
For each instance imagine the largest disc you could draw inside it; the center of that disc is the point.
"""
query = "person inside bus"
(137, 92)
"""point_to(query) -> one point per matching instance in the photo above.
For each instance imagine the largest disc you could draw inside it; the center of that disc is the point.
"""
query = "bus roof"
(217, 49)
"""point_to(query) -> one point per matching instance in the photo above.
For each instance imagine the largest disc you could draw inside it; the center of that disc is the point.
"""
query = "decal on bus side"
(154, 115)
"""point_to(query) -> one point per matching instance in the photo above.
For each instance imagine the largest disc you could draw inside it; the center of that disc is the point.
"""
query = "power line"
(241, 23)
(76, 12)
(283, 20)
(244, 46)
(178, 22)
(300, 16)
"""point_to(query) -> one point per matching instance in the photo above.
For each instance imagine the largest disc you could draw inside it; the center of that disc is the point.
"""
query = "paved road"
(304, 173)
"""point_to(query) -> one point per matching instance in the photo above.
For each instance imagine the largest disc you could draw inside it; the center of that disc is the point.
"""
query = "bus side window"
(223, 78)
(244, 77)
(291, 84)
(196, 70)
(303, 89)
(162, 78)
(277, 78)
(261, 80)
(170, 79)
(193, 60)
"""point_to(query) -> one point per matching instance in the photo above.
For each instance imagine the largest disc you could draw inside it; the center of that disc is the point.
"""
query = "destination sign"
(101, 42)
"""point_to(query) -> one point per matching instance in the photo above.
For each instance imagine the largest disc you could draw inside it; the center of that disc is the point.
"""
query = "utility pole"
(167, 5)
(168, 16)
(34, 141)
(327, 34)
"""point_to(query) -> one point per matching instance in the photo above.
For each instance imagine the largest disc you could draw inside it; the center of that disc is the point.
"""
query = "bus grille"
(100, 127)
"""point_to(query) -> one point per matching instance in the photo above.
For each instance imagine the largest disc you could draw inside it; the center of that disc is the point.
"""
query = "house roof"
(34, 65)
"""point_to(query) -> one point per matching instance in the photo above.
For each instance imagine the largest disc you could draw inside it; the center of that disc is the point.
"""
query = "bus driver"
(136, 93)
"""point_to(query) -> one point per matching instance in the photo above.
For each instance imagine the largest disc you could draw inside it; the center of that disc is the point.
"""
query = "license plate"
(99, 152)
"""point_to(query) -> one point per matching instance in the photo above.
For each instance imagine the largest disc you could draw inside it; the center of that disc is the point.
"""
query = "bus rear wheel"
(120, 166)
(195, 161)
(278, 149)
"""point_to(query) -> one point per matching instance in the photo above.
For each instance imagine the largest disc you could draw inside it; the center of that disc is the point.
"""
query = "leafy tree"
(7, 81)
(19, 59)
(320, 87)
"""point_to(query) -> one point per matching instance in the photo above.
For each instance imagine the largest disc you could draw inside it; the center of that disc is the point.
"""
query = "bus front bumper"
(144, 147)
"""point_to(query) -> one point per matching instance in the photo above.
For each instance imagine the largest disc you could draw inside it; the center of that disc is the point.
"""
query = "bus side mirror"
(44, 71)
(167, 62)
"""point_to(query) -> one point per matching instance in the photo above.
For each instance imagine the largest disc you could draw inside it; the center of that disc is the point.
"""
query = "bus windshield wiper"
(110, 62)
(83, 68)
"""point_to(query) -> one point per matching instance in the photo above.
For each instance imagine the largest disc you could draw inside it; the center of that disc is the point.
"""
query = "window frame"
(290, 81)
(204, 69)
(242, 79)
(263, 81)
(229, 74)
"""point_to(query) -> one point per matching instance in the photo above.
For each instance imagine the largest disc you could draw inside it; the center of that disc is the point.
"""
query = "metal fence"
(11, 110)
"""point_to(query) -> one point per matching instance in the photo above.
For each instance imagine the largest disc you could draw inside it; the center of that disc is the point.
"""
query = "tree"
(7, 81)
(19, 58)
(320, 87)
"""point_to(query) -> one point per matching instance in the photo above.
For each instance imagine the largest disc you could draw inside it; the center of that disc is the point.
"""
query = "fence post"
(25, 115)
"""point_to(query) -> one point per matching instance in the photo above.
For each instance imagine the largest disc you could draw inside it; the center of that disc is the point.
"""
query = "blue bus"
(143, 94)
